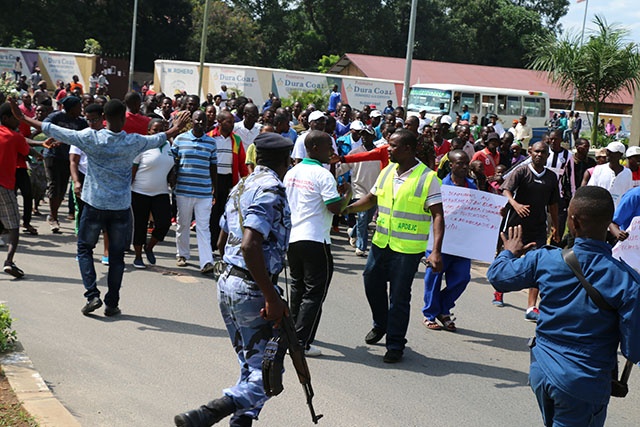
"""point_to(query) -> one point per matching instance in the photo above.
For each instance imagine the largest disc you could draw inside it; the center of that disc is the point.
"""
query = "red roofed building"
(381, 67)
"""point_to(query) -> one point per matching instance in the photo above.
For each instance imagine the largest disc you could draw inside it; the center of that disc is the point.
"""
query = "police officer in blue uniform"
(576, 344)
(253, 242)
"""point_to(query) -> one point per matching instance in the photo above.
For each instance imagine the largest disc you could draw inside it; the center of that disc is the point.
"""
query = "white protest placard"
(629, 250)
(472, 222)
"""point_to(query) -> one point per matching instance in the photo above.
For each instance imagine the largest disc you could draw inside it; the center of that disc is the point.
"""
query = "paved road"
(169, 351)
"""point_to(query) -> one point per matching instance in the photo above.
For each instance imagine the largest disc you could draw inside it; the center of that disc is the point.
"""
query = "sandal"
(431, 324)
(447, 322)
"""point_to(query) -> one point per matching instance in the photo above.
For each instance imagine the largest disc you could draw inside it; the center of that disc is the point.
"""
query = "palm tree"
(604, 66)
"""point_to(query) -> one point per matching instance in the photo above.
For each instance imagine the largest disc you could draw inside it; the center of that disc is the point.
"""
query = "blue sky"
(623, 12)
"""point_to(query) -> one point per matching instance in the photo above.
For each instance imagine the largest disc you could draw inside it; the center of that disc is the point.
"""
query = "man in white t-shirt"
(248, 128)
(317, 121)
(314, 199)
(612, 176)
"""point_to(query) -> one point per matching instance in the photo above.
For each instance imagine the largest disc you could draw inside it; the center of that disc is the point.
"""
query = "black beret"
(69, 102)
(272, 141)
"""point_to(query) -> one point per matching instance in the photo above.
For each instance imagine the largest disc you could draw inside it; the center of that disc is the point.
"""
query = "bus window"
(471, 100)
(502, 105)
(534, 107)
(514, 105)
(488, 104)
(435, 101)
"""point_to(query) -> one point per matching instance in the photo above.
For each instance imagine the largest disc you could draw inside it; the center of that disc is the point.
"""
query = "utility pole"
(410, 43)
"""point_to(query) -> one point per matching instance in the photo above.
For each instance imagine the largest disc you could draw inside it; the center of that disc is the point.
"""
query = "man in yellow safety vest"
(409, 203)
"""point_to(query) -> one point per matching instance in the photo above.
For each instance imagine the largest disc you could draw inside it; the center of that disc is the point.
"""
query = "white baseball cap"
(616, 147)
(316, 115)
(633, 151)
(446, 119)
(375, 113)
(356, 125)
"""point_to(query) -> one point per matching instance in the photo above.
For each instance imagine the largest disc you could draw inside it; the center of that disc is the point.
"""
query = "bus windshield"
(435, 101)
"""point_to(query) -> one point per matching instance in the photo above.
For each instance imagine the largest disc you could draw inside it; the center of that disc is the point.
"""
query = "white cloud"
(623, 12)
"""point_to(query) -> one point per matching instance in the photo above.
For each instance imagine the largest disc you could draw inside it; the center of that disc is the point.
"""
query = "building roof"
(382, 67)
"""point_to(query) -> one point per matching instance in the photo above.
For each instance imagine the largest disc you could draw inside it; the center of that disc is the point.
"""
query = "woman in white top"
(150, 195)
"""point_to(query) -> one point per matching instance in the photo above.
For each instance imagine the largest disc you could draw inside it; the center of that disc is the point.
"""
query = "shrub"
(8, 336)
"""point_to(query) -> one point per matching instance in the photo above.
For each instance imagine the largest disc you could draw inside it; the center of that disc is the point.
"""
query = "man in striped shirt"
(196, 158)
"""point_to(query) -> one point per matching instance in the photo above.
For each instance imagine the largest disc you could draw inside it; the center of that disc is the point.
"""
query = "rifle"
(296, 351)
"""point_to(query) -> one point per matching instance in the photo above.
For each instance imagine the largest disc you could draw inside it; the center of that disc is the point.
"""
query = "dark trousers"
(224, 186)
(311, 266)
(388, 276)
(160, 207)
(23, 183)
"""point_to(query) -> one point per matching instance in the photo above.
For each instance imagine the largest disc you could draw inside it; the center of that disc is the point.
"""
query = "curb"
(32, 392)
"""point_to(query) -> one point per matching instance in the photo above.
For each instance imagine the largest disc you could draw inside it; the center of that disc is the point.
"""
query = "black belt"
(241, 273)
(246, 275)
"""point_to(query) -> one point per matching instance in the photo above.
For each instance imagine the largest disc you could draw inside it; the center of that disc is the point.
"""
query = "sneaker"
(352, 240)
(137, 263)
(360, 253)
(374, 336)
(112, 311)
(313, 351)
(53, 224)
(497, 299)
(91, 306)
(105, 260)
(392, 356)
(207, 269)
(193, 226)
(12, 269)
(150, 255)
(181, 262)
(532, 314)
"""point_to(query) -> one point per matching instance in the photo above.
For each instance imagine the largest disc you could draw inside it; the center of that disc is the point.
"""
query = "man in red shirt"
(134, 121)
(12, 144)
(489, 155)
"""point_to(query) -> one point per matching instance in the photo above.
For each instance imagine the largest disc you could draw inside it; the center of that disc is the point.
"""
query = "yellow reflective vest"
(402, 223)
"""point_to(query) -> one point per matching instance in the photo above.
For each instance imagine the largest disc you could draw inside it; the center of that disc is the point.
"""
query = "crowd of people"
(259, 184)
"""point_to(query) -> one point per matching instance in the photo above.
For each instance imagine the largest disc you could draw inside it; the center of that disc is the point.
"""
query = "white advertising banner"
(244, 80)
(286, 83)
(179, 77)
(62, 67)
(365, 92)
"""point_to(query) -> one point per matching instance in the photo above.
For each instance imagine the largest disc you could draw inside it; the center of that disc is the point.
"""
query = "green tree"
(233, 35)
(92, 46)
(606, 65)
(550, 10)
(326, 62)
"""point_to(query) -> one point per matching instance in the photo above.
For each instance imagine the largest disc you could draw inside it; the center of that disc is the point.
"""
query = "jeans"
(311, 266)
(560, 409)
(240, 303)
(117, 224)
(187, 206)
(361, 230)
(457, 271)
(390, 310)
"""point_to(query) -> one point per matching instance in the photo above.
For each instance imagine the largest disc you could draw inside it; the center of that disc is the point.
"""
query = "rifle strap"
(570, 258)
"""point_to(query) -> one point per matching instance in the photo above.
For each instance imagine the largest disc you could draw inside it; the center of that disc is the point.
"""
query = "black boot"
(241, 421)
(207, 415)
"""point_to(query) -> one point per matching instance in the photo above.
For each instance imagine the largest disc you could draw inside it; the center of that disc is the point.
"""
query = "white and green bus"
(508, 104)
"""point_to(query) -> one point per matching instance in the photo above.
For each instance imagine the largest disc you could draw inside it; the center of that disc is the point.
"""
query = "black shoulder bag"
(619, 387)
